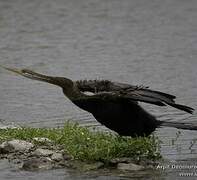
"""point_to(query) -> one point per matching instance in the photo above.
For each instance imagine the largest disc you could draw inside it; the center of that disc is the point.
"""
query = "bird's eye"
(24, 71)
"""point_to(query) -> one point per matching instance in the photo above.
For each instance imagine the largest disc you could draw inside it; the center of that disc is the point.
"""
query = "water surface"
(139, 42)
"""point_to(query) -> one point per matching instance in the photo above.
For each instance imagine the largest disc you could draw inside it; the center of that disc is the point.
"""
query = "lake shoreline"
(70, 147)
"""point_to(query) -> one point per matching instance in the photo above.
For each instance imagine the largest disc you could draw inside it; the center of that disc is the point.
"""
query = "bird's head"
(59, 81)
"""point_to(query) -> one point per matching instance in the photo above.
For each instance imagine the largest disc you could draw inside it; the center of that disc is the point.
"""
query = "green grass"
(83, 144)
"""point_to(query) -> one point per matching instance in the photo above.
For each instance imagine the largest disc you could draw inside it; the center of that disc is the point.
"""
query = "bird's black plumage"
(125, 117)
(115, 105)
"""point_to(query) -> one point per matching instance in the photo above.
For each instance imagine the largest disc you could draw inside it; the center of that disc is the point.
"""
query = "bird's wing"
(114, 90)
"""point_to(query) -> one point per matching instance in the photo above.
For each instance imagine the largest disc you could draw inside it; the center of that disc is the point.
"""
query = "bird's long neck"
(73, 92)
(69, 87)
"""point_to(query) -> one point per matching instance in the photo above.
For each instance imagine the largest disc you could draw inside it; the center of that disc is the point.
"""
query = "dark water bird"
(115, 105)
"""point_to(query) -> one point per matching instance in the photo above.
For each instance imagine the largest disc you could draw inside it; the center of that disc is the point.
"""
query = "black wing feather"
(134, 93)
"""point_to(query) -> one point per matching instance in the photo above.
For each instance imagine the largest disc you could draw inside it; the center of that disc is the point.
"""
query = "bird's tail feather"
(179, 125)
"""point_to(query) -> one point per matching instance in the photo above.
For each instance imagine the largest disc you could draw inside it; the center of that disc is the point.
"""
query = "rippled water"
(140, 42)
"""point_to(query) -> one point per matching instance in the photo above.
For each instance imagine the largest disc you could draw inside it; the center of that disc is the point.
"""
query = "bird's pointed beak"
(37, 76)
(28, 74)
(17, 71)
